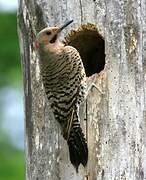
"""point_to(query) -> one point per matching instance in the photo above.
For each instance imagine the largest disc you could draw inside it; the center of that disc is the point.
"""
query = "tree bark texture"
(116, 109)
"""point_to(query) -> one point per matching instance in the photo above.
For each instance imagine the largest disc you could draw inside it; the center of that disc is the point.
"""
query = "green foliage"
(12, 162)
(11, 159)
(9, 50)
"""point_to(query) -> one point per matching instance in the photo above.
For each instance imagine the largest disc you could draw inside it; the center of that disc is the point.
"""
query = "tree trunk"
(116, 109)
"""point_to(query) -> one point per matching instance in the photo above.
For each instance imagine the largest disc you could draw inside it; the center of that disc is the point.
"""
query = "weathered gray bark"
(116, 114)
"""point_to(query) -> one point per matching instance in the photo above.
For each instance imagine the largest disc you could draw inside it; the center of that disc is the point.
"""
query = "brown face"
(49, 35)
(46, 36)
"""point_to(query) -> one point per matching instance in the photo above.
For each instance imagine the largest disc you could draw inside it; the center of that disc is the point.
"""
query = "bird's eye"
(48, 32)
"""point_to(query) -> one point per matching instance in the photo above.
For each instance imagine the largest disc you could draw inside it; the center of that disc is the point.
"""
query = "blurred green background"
(12, 163)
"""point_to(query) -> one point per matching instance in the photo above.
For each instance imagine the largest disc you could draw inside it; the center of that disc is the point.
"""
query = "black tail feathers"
(78, 149)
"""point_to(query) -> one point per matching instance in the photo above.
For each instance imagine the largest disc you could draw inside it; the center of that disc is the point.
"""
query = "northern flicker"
(64, 81)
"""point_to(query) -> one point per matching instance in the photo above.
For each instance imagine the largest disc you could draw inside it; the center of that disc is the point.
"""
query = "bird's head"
(48, 37)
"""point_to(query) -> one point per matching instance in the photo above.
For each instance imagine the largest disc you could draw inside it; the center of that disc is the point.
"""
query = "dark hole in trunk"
(91, 47)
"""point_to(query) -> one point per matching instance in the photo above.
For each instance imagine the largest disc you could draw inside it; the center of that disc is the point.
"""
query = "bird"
(64, 81)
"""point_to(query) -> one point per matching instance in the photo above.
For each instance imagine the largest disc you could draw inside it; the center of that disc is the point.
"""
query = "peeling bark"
(116, 110)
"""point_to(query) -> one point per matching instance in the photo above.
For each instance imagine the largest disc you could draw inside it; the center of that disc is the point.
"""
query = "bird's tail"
(78, 149)
(76, 141)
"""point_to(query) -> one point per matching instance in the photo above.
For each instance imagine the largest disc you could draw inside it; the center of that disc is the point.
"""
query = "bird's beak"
(65, 25)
